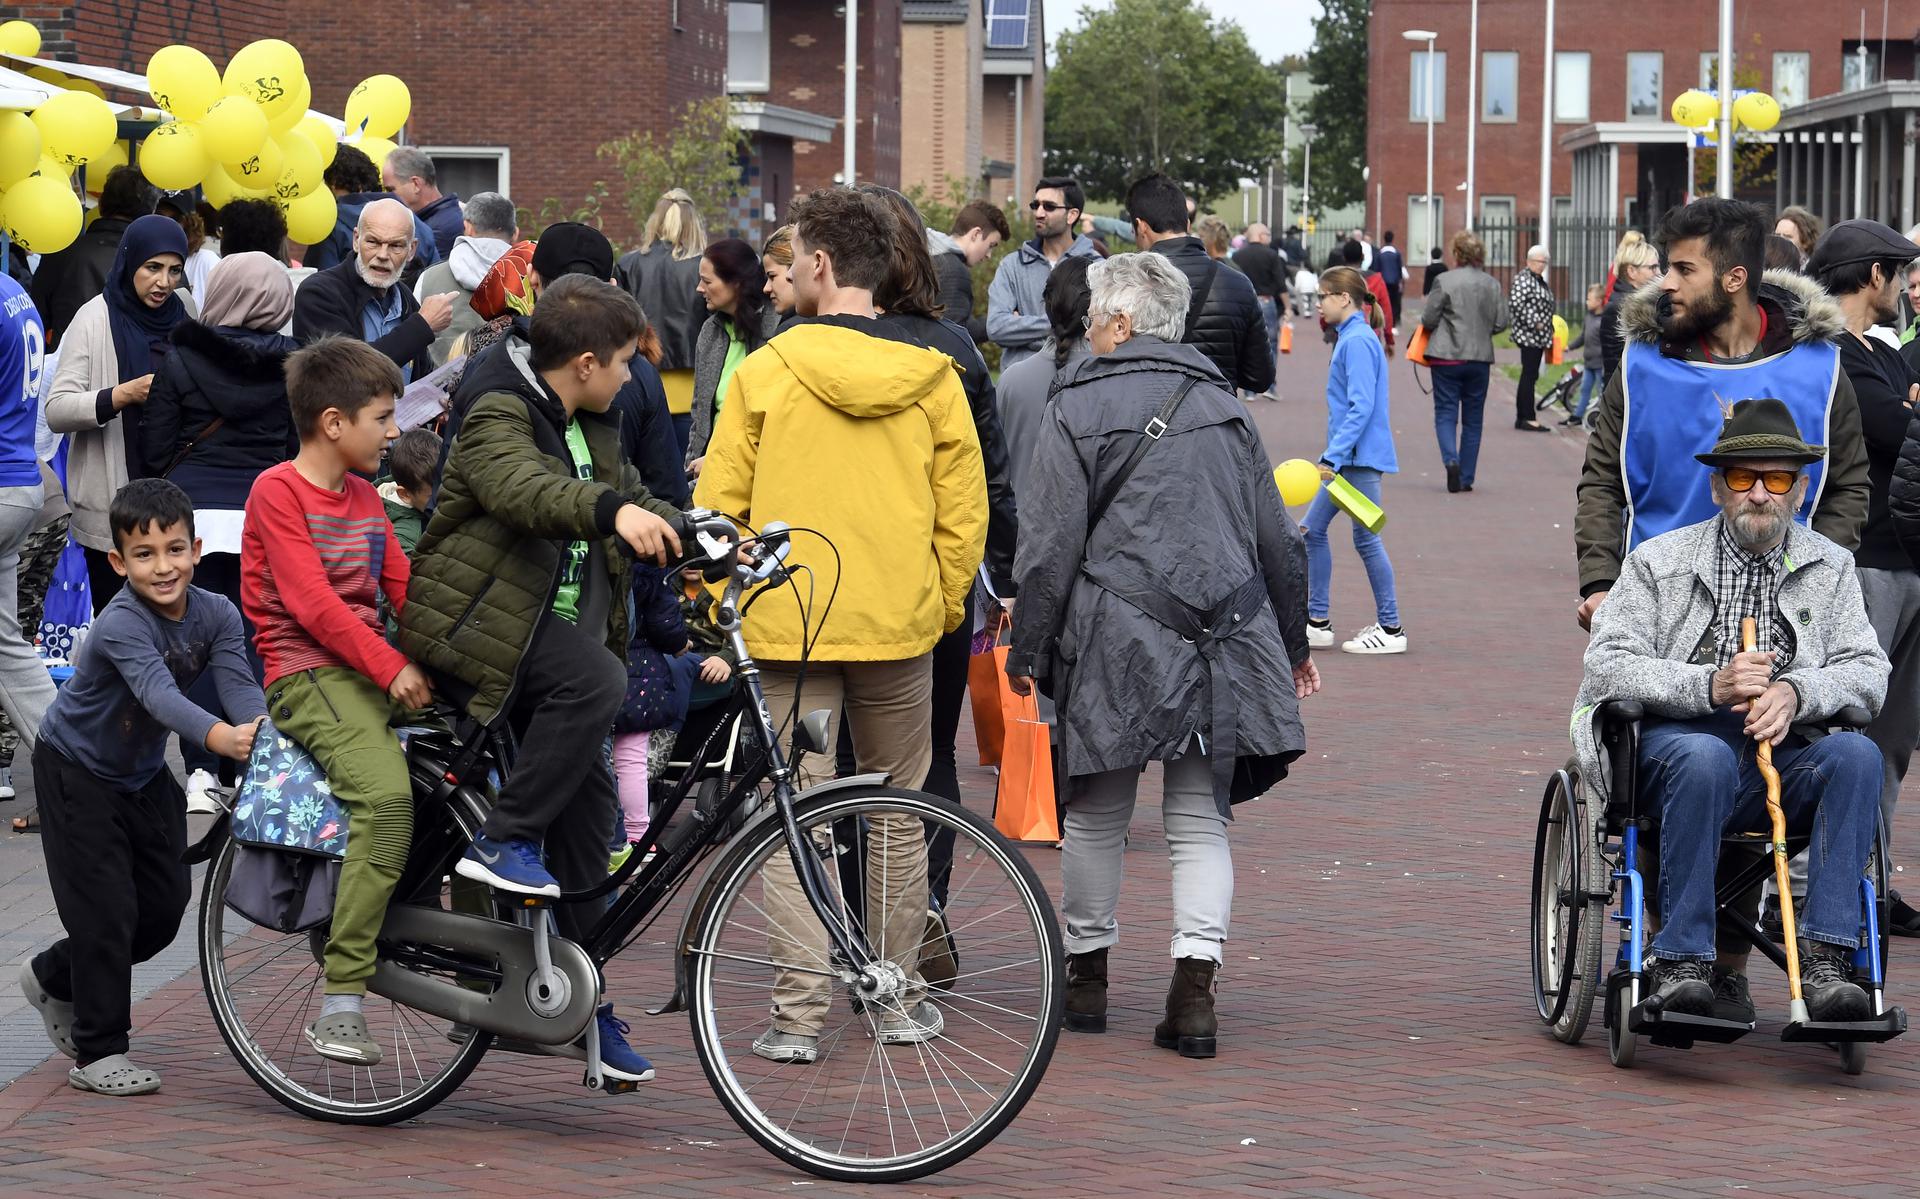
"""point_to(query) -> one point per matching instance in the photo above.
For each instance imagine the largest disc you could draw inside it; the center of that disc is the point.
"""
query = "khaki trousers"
(889, 707)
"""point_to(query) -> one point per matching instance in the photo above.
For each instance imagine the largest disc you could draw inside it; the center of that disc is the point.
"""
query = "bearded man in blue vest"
(1705, 335)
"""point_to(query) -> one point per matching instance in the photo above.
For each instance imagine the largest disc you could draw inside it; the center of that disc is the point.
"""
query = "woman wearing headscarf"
(108, 357)
(217, 414)
(740, 320)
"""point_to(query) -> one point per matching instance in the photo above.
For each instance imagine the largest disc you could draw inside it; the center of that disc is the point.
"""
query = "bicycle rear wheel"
(874, 1106)
(264, 987)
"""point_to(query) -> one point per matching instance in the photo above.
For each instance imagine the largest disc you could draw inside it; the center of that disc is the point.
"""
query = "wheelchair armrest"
(1622, 711)
(1849, 717)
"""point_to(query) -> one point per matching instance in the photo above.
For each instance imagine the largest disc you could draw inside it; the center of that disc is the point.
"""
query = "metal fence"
(1580, 251)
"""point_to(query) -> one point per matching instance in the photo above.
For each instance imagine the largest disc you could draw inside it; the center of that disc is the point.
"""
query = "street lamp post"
(1428, 36)
(1307, 132)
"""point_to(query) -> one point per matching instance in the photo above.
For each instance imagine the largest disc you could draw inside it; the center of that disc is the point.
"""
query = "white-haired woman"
(1531, 302)
(1163, 606)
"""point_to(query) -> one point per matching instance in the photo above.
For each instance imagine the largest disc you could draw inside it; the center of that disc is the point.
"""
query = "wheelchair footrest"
(1884, 1027)
(1678, 1030)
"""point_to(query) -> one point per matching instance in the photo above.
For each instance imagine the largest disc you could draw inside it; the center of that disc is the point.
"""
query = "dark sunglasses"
(1740, 479)
(1044, 206)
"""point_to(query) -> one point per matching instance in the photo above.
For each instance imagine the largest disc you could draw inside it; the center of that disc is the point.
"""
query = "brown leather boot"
(1190, 1026)
(1086, 991)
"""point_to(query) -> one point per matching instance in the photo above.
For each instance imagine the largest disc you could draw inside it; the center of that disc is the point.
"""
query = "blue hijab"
(140, 332)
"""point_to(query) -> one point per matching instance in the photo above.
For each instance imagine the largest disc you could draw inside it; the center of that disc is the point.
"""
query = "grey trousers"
(1091, 864)
(26, 690)
(1893, 607)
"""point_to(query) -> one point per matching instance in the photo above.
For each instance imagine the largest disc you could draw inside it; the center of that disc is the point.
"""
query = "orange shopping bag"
(1286, 339)
(986, 684)
(1417, 345)
(1023, 810)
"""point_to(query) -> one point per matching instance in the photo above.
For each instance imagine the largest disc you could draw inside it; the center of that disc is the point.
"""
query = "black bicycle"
(460, 970)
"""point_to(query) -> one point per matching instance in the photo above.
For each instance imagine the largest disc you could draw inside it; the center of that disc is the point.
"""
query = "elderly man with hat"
(1862, 265)
(1669, 638)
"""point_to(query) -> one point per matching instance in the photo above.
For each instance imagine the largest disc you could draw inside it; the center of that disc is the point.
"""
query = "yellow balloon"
(376, 148)
(290, 118)
(76, 127)
(53, 169)
(311, 218)
(42, 214)
(259, 171)
(97, 170)
(183, 81)
(378, 107)
(256, 64)
(233, 129)
(1757, 111)
(19, 38)
(316, 130)
(19, 147)
(1560, 331)
(301, 172)
(173, 158)
(1298, 481)
(1695, 109)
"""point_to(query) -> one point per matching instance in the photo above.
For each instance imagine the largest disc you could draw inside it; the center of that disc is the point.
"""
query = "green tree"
(1154, 85)
(701, 153)
(1337, 64)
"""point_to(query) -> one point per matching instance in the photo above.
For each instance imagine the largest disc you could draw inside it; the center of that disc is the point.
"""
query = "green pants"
(343, 719)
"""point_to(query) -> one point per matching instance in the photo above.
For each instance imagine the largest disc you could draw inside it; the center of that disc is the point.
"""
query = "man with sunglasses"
(1016, 314)
(1669, 638)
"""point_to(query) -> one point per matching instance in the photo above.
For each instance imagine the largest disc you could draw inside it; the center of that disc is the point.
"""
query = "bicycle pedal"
(611, 1086)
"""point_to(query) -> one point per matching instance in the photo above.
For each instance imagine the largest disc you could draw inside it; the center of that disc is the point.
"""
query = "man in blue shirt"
(25, 688)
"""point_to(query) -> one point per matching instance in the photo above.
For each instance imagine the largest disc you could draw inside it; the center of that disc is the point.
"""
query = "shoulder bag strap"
(212, 427)
(1149, 435)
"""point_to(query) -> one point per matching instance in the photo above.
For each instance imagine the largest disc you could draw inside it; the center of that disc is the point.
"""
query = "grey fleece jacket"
(1654, 640)
(1808, 314)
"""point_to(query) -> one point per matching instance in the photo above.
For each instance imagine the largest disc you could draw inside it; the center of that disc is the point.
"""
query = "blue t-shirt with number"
(23, 359)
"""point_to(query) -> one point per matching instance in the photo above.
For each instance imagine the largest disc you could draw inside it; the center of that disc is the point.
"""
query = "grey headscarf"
(248, 291)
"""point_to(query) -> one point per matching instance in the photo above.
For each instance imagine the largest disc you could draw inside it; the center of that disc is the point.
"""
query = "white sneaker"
(1375, 640)
(200, 800)
(1319, 637)
(6, 782)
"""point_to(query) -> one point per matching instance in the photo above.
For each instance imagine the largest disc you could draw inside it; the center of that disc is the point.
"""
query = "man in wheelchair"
(1669, 638)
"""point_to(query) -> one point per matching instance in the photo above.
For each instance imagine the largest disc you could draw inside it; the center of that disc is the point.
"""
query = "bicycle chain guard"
(505, 1011)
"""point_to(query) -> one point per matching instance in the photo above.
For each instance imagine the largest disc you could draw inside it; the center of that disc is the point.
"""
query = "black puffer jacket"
(234, 375)
(1003, 518)
(1230, 330)
(665, 285)
(1903, 493)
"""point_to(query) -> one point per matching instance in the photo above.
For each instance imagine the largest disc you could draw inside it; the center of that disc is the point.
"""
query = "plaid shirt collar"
(1748, 585)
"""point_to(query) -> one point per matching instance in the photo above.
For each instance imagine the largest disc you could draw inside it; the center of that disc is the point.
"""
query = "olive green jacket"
(488, 566)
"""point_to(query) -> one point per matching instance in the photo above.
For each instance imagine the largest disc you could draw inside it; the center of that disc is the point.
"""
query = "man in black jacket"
(977, 229)
(1223, 319)
(70, 277)
(363, 298)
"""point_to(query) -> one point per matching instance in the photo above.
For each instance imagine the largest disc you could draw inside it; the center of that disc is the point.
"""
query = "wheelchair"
(1587, 855)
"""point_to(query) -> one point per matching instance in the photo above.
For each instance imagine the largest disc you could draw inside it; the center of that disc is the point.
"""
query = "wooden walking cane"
(1797, 1009)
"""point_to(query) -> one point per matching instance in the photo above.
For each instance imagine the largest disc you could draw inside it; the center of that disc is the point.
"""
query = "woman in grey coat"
(1464, 309)
(1163, 605)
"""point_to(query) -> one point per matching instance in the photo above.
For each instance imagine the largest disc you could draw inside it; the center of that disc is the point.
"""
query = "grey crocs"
(343, 1037)
(56, 1014)
(114, 1075)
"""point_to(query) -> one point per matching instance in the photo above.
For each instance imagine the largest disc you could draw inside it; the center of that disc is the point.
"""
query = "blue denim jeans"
(1459, 395)
(1373, 552)
(1590, 382)
(1702, 778)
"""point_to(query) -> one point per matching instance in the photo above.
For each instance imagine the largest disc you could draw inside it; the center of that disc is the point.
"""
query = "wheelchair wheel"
(1853, 1057)
(1621, 1043)
(263, 986)
(875, 1098)
(1570, 885)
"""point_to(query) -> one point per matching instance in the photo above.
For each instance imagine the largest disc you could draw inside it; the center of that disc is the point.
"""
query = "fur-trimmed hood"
(1811, 314)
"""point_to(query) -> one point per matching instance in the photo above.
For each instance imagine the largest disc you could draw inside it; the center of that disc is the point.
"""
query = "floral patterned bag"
(291, 834)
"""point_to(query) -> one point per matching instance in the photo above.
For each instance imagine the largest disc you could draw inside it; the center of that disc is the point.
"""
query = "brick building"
(124, 33)
(973, 96)
(1616, 73)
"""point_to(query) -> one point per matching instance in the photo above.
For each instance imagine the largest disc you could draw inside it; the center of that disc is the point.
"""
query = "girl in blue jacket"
(1359, 448)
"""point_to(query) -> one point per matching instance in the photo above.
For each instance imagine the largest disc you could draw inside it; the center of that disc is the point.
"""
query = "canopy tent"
(22, 91)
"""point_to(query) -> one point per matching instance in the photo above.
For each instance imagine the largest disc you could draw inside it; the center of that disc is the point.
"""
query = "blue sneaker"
(617, 1058)
(508, 865)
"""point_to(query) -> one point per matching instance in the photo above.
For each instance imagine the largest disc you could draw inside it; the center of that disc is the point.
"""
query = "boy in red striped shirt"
(316, 554)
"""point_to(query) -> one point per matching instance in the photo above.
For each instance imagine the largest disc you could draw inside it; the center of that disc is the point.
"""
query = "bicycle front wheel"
(922, 1059)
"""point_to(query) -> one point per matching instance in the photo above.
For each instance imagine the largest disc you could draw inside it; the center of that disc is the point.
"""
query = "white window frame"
(1804, 58)
(1417, 89)
(503, 154)
(1659, 84)
(1486, 73)
(1707, 60)
(1499, 245)
(1561, 58)
(763, 84)
(1417, 226)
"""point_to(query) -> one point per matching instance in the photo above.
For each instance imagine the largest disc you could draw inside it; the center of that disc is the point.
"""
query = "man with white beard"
(362, 296)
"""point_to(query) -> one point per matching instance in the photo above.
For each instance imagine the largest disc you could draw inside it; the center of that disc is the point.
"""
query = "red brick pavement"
(1378, 1038)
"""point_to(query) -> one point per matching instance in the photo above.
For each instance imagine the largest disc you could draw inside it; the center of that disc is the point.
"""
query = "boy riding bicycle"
(518, 593)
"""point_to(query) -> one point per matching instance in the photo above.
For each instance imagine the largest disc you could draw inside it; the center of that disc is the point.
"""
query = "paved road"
(1377, 1036)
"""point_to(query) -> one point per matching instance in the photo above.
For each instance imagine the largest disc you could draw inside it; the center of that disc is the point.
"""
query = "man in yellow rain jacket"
(835, 426)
